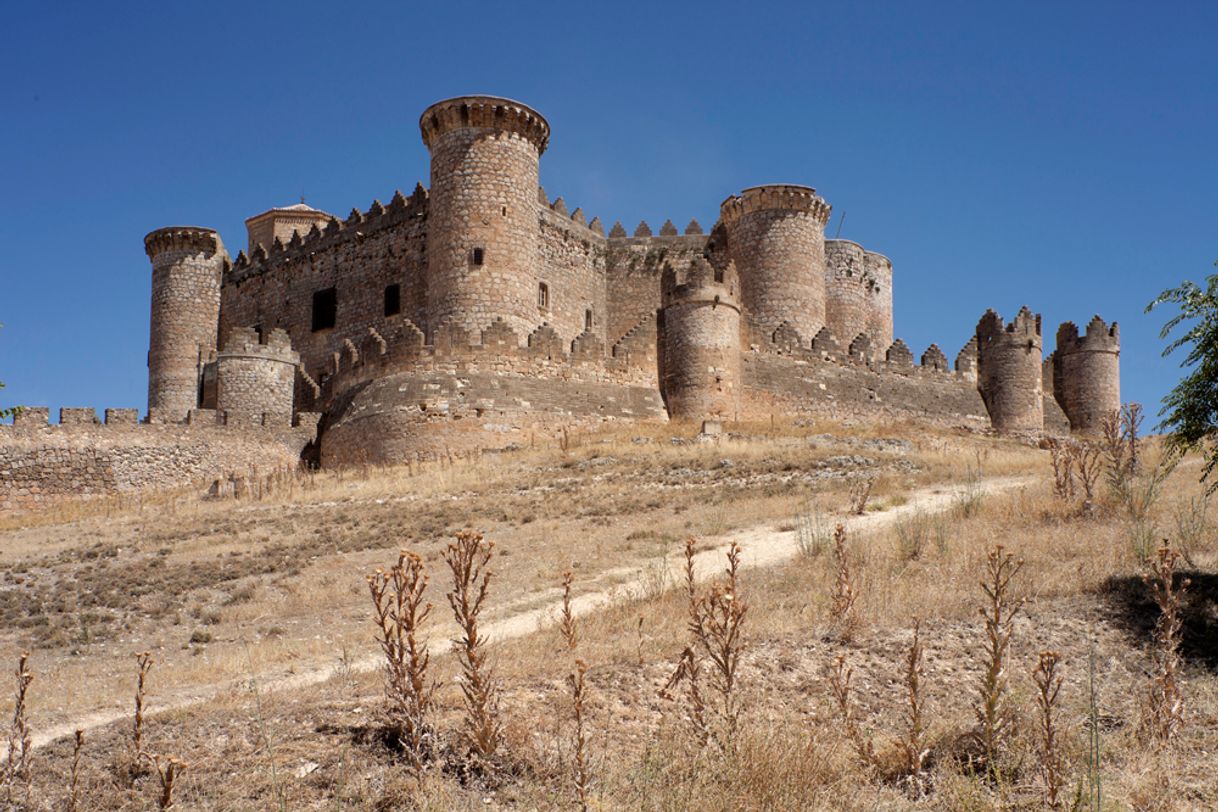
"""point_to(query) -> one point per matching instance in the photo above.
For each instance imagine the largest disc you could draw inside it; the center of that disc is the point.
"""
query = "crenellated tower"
(1087, 373)
(847, 298)
(1009, 370)
(700, 330)
(483, 255)
(256, 378)
(776, 237)
(187, 266)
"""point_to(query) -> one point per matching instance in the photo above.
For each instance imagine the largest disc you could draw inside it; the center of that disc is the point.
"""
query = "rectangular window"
(325, 309)
(588, 320)
(543, 295)
(478, 256)
(393, 300)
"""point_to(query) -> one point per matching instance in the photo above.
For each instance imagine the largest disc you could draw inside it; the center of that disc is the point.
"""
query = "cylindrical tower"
(776, 237)
(879, 291)
(1087, 374)
(701, 342)
(256, 378)
(847, 294)
(483, 256)
(187, 265)
(1009, 371)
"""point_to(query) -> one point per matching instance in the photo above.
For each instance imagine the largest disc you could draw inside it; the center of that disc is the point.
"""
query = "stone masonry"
(482, 313)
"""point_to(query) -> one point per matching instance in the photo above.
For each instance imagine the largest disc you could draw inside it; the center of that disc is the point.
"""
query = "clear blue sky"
(1062, 155)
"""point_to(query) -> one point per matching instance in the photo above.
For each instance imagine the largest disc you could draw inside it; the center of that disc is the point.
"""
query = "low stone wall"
(421, 414)
(41, 463)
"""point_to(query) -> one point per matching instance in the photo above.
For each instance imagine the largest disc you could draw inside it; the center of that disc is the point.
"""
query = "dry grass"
(1081, 576)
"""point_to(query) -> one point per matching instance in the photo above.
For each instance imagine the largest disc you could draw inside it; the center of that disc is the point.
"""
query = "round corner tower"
(1087, 373)
(483, 234)
(879, 293)
(256, 378)
(1009, 371)
(847, 294)
(701, 342)
(776, 237)
(187, 266)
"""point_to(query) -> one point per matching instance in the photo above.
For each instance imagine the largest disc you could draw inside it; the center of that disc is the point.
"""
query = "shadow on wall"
(1135, 605)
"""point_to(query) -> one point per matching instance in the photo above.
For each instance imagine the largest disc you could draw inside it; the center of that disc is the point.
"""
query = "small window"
(478, 256)
(588, 320)
(393, 300)
(543, 295)
(505, 211)
(325, 309)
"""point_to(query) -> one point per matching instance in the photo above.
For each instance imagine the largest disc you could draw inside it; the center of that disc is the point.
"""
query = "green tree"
(1190, 410)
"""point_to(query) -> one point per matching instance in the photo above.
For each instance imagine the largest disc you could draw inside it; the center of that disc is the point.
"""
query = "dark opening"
(587, 319)
(325, 309)
(393, 300)
(543, 295)
(477, 256)
(719, 275)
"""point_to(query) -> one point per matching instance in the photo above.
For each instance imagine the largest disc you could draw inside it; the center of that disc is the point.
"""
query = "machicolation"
(478, 313)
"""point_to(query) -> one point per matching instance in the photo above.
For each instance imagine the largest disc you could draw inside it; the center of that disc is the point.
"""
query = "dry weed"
(844, 592)
(399, 612)
(913, 742)
(860, 492)
(74, 777)
(17, 766)
(840, 685)
(468, 558)
(1164, 713)
(576, 682)
(1052, 767)
(993, 711)
(567, 621)
(167, 771)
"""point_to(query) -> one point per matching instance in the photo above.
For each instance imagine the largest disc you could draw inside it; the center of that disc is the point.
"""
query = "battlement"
(489, 112)
(699, 282)
(787, 197)
(83, 418)
(556, 213)
(274, 345)
(1025, 326)
(186, 239)
(1099, 337)
(357, 226)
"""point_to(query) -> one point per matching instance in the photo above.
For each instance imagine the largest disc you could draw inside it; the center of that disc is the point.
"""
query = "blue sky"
(1061, 155)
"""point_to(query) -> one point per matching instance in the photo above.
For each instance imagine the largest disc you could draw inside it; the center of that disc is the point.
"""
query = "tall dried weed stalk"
(74, 776)
(844, 591)
(144, 662)
(715, 626)
(168, 771)
(913, 741)
(993, 710)
(841, 687)
(468, 557)
(583, 780)
(1052, 765)
(567, 619)
(1062, 460)
(1164, 714)
(399, 611)
(17, 765)
(860, 493)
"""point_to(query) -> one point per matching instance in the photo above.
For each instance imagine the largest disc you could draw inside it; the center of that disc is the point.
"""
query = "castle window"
(325, 309)
(393, 300)
(718, 274)
(505, 211)
(588, 320)
(478, 256)
(543, 295)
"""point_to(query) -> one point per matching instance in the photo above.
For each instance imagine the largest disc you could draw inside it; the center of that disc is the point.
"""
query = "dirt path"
(761, 547)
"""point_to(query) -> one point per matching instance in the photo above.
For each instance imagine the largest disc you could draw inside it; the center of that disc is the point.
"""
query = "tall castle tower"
(776, 237)
(701, 342)
(187, 265)
(256, 378)
(879, 292)
(1009, 371)
(1087, 373)
(483, 256)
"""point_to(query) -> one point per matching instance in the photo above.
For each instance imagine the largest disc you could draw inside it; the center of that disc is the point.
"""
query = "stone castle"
(477, 313)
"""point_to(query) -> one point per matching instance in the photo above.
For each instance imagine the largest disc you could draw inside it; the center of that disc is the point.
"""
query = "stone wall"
(847, 293)
(573, 271)
(879, 309)
(359, 257)
(82, 458)
(634, 266)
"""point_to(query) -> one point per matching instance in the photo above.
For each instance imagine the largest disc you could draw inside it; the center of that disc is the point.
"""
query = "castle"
(478, 313)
